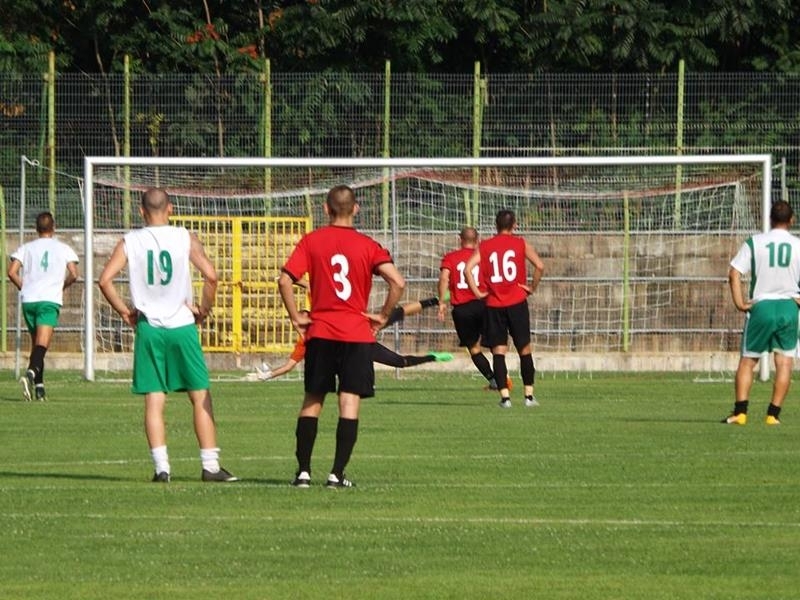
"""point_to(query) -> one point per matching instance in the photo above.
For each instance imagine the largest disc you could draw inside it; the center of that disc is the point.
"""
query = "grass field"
(615, 487)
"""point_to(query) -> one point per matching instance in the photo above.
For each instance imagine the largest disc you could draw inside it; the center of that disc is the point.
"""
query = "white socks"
(160, 459)
(210, 459)
(208, 456)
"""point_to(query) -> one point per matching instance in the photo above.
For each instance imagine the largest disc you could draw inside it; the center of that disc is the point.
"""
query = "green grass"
(615, 487)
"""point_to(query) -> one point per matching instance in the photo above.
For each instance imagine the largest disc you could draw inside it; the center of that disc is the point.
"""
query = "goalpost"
(636, 247)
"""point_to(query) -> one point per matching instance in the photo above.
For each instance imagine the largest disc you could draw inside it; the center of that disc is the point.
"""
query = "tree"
(511, 36)
(358, 35)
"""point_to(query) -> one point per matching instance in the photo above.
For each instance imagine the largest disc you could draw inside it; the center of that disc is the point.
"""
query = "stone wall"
(697, 319)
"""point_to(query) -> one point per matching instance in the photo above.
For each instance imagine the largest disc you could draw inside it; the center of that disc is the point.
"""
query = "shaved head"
(469, 236)
(155, 200)
(341, 201)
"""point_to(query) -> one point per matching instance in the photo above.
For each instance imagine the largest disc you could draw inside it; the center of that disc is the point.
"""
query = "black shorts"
(514, 320)
(469, 319)
(348, 362)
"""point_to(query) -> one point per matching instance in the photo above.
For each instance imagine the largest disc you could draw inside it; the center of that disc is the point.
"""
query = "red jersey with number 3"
(455, 262)
(503, 269)
(340, 263)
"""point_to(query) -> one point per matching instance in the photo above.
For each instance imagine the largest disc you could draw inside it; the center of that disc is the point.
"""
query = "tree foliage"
(216, 36)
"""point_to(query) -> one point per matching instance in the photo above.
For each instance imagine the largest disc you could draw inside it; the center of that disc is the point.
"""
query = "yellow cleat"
(770, 420)
(736, 419)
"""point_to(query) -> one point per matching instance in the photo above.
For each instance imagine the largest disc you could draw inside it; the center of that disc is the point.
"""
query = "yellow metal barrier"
(248, 253)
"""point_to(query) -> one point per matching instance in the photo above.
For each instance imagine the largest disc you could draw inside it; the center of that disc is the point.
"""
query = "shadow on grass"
(271, 481)
(432, 403)
(17, 399)
(668, 420)
(75, 476)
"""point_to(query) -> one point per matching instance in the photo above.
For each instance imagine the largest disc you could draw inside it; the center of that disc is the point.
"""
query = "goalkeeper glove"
(264, 372)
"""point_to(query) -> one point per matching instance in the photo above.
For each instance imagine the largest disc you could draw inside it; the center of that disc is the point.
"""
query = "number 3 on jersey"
(342, 285)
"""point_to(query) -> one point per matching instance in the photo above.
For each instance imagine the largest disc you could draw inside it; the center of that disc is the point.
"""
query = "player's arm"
(473, 261)
(538, 266)
(14, 273)
(397, 285)
(72, 274)
(300, 319)
(115, 264)
(198, 257)
(735, 283)
(444, 286)
(289, 365)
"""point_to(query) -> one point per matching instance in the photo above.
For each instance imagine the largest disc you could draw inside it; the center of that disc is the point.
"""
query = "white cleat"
(26, 388)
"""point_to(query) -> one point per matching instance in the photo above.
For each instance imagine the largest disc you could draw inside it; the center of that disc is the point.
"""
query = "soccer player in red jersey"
(468, 310)
(339, 262)
(503, 262)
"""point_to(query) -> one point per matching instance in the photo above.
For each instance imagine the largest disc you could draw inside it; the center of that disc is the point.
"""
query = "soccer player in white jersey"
(41, 270)
(772, 260)
(167, 356)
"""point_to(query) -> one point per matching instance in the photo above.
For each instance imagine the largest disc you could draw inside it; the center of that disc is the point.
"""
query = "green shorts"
(771, 325)
(40, 313)
(168, 360)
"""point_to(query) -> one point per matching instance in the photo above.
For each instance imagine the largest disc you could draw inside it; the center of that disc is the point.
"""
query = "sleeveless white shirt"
(160, 277)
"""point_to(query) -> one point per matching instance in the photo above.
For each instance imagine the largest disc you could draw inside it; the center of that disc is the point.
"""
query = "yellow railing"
(248, 253)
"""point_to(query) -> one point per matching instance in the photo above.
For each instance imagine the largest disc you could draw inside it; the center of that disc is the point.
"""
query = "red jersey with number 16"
(340, 263)
(455, 262)
(503, 269)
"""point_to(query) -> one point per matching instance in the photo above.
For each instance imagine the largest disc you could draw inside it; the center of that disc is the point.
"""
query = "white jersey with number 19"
(160, 278)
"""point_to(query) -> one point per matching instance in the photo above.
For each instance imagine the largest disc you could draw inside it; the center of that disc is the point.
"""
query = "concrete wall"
(695, 328)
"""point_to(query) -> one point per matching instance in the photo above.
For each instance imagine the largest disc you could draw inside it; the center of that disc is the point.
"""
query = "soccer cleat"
(222, 475)
(441, 356)
(335, 482)
(531, 401)
(40, 394)
(26, 381)
(161, 477)
(505, 403)
(492, 387)
(770, 420)
(735, 419)
(302, 479)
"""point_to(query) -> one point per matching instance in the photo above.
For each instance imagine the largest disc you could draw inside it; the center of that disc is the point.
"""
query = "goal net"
(636, 248)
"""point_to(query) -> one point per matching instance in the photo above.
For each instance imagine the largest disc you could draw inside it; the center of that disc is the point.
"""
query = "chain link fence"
(57, 119)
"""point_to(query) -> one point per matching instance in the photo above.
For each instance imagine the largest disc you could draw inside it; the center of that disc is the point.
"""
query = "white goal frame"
(90, 162)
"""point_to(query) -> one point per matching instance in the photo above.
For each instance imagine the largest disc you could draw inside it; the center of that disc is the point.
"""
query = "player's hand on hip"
(376, 320)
